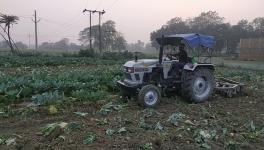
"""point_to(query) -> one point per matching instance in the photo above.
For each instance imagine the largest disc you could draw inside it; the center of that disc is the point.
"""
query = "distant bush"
(125, 55)
(121, 55)
(69, 54)
(87, 53)
(30, 53)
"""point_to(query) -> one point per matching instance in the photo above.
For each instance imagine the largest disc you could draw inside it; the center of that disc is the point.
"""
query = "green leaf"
(81, 114)
(213, 135)
(122, 130)
(261, 131)
(49, 128)
(175, 117)
(2, 141)
(74, 126)
(89, 138)
(110, 132)
(106, 109)
(144, 125)
(10, 141)
(119, 108)
(158, 126)
(101, 121)
(224, 131)
(250, 125)
(149, 112)
(205, 145)
(146, 146)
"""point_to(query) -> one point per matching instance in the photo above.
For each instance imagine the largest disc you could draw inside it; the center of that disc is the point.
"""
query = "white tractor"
(149, 79)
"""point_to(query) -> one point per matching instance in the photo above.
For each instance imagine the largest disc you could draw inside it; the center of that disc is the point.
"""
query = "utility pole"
(36, 29)
(100, 31)
(29, 41)
(90, 35)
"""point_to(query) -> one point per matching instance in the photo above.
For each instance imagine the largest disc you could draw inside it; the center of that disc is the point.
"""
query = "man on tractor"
(182, 57)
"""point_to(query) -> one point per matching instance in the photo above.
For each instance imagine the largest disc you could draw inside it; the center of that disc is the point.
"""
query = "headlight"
(130, 69)
(141, 69)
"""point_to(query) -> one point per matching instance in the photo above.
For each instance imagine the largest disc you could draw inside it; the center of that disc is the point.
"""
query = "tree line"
(210, 23)
(61, 45)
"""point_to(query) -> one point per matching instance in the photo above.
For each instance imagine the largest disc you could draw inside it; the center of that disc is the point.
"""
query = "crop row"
(42, 85)
(17, 61)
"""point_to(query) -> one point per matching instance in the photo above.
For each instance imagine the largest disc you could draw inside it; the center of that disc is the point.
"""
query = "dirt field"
(218, 115)
(222, 123)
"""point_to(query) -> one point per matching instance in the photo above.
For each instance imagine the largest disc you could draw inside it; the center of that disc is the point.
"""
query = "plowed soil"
(220, 113)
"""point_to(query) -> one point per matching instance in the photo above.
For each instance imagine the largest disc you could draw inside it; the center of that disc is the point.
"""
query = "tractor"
(150, 79)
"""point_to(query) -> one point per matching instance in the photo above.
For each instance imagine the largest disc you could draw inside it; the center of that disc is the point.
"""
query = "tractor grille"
(137, 77)
(128, 76)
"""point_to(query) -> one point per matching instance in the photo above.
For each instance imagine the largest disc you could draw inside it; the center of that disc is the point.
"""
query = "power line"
(47, 35)
(68, 27)
(99, 4)
(73, 18)
(25, 16)
(113, 4)
(57, 23)
(86, 3)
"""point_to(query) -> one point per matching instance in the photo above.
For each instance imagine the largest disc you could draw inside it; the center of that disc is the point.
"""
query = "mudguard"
(192, 67)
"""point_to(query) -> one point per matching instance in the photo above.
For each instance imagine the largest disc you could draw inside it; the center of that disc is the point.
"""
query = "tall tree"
(111, 38)
(205, 19)
(173, 26)
(258, 25)
(8, 20)
(119, 43)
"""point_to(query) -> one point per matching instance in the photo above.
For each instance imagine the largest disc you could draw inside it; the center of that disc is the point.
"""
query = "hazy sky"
(134, 18)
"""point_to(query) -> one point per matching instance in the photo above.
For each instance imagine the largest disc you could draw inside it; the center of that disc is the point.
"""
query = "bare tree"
(8, 20)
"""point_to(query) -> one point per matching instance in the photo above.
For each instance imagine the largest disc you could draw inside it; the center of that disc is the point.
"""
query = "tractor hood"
(142, 63)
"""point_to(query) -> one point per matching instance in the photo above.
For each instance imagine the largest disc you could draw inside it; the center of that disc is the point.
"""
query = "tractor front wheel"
(149, 96)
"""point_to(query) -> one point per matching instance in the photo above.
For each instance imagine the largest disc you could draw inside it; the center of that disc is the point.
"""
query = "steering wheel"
(171, 57)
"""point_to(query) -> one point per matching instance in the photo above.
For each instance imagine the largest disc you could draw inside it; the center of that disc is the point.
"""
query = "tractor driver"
(183, 59)
(182, 55)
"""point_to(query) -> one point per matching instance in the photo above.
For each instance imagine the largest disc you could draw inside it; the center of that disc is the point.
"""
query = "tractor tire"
(198, 85)
(149, 96)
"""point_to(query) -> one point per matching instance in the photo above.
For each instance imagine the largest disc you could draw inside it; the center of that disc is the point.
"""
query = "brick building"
(252, 49)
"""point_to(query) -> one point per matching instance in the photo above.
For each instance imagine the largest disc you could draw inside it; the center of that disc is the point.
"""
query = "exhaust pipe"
(136, 57)
(161, 50)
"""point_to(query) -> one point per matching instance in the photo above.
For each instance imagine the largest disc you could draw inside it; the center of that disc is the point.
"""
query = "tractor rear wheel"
(198, 85)
(149, 96)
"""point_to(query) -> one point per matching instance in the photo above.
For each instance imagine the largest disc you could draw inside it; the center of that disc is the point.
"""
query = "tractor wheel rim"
(201, 87)
(151, 97)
